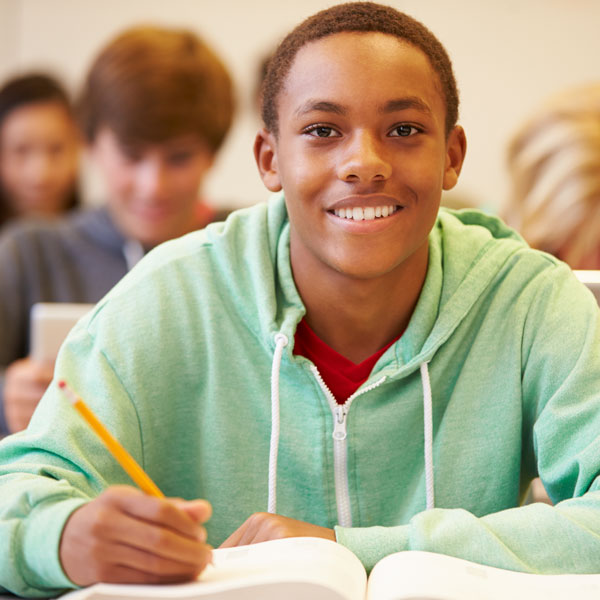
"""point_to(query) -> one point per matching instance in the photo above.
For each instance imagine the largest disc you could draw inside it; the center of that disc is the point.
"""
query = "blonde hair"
(554, 163)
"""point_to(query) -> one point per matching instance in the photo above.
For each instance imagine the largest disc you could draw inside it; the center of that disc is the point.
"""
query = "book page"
(414, 575)
(288, 569)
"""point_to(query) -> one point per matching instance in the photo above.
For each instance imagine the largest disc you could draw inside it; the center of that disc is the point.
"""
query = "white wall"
(507, 56)
(9, 25)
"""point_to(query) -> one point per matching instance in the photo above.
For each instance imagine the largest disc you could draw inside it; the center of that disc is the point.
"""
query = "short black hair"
(29, 89)
(363, 17)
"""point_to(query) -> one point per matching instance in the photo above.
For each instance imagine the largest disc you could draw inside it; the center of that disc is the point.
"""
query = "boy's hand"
(125, 536)
(25, 383)
(261, 527)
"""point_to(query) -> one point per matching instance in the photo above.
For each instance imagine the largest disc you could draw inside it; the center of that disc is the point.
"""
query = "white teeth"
(357, 213)
(366, 213)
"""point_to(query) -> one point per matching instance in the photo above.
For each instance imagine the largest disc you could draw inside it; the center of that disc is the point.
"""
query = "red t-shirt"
(342, 376)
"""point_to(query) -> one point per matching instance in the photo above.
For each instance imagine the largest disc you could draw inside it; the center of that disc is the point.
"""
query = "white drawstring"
(428, 431)
(281, 342)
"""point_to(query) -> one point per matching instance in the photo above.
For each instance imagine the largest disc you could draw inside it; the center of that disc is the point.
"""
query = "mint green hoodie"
(178, 361)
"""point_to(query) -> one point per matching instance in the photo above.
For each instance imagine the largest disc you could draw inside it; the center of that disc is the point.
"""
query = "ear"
(265, 154)
(456, 148)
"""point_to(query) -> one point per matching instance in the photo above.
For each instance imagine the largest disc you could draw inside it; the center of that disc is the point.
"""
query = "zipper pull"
(339, 426)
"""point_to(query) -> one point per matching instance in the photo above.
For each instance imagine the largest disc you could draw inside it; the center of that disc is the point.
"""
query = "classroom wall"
(9, 13)
(507, 55)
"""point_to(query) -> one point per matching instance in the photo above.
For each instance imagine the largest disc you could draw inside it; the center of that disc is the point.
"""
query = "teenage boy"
(155, 109)
(323, 356)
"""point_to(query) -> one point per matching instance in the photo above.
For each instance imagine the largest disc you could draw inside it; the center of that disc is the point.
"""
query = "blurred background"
(507, 55)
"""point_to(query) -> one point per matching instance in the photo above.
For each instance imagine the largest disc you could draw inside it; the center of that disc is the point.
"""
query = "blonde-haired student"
(554, 168)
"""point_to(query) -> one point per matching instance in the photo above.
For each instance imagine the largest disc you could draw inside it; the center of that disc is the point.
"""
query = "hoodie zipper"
(340, 446)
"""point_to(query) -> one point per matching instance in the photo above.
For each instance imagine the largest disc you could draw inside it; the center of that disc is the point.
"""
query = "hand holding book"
(262, 527)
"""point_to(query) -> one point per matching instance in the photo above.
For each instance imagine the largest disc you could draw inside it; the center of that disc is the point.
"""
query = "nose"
(151, 180)
(39, 168)
(363, 160)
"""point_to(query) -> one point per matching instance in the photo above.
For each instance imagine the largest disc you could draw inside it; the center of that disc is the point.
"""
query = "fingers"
(261, 527)
(151, 563)
(28, 372)
(235, 538)
(126, 536)
(154, 511)
(199, 511)
(141, 535)
(18, 414)
(25, 384)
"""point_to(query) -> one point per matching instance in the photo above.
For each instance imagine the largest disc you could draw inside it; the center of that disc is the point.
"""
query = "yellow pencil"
(123, 457)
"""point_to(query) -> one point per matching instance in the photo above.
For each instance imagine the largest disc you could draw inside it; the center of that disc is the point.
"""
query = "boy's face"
(153, 190)
(361, 154)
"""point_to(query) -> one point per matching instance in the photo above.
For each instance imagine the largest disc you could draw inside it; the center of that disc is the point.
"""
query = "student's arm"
(561, 411)
(61, 524)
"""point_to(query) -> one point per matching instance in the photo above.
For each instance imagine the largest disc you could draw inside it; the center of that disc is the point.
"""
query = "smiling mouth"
(366, 213)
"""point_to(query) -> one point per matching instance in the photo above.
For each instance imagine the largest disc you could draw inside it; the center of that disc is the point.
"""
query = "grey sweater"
(75, 259)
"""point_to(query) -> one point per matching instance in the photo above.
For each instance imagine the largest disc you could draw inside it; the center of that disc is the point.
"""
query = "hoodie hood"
(464, 259)
(468, 250)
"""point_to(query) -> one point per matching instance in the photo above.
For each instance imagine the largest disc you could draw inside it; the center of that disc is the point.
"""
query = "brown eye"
(321, 131)
(404, 131)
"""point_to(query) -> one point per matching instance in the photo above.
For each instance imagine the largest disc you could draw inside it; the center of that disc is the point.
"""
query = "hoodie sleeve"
(55, 466)
(561, 415)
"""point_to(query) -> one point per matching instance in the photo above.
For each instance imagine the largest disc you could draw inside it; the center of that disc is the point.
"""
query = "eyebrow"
(397, 104)
(404, 103)
(320, 106)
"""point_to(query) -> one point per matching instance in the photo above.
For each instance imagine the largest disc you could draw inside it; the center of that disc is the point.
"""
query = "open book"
(318, 569)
